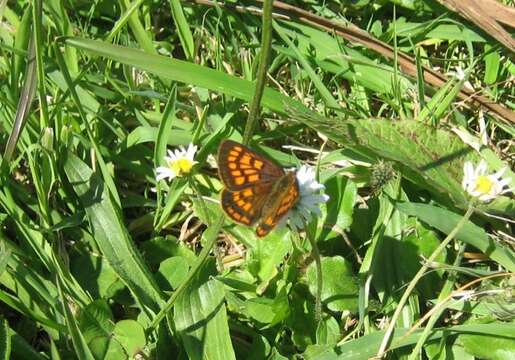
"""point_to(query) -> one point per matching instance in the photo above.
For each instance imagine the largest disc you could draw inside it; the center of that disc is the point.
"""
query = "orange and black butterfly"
(256, 189)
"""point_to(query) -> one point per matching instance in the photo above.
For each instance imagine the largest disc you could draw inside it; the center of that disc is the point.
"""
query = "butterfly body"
(257, 191)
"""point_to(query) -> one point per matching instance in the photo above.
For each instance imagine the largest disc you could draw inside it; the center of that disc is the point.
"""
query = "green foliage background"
(92, 249)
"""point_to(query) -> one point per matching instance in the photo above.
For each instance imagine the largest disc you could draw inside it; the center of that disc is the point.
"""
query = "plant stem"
(211, 237)
(446, 290)
(266, 42)
(211, 240)
(416, 278)
(318, 264)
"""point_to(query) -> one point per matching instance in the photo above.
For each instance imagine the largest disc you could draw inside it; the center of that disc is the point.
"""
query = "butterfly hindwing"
(244, 206)
(282, 199)
(239, 167)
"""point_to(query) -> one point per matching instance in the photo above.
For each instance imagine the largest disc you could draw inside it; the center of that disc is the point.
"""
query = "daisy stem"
(318, 265)
(266, 42)
(416, 278)
(205, 214)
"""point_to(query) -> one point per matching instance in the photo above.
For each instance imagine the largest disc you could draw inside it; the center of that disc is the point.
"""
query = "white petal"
(482, 129)
(482, 168)
(164, 172)
(499, 173)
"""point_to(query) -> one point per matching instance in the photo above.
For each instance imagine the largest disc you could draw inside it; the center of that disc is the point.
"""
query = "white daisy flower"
(178, 163)
(309, 200)
(485, 187)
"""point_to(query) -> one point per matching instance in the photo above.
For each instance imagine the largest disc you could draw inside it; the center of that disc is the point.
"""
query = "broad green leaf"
(454, 32)
(266, 256)
(131, 335)
(96, 321)
(96, 276)
(201, 320)
(200, 317)
(494, 347)
(420, 243)
(172, 272)
(445, 220)
(342, 192)
(328, 332)
(320, 352)
(339, 289)
(269, 311)
(431, 158)
(492, 63)
(302, 321)
(366, 346)
(111, 235)
(158, 249)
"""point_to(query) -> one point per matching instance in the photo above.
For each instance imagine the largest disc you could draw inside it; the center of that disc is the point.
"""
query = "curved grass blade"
(445, 220)
(79, 343)
(5, 340)
(24, 104)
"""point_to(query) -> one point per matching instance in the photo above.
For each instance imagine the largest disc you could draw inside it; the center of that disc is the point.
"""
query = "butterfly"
(256, 189)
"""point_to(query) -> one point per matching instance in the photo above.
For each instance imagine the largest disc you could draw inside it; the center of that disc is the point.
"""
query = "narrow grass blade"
(445, 220)
(5, 340)
(183, 29)
(182, 71)
(322, 89)
(79, 343)
(24, 105)
(141, 35)
(163, 134)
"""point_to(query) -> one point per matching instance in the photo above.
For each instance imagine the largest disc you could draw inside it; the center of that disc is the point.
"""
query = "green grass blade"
(123, 19)
(5, 340)
(183, 29)
(141, 35)
(322, 89)
(22, 349)
(79, 343)
(182, 71)
(24, 105)
(445, 220)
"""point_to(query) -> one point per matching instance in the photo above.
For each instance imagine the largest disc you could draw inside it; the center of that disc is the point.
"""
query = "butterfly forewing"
(283, 197)
(239, 167)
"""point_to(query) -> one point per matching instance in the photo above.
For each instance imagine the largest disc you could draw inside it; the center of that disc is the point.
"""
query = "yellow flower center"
(483, 185)
(181, 166)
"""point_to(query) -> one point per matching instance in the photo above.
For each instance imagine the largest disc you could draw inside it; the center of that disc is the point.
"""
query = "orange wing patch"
(244, 206)
(240, 167)
(274, 214)
(256, 189)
